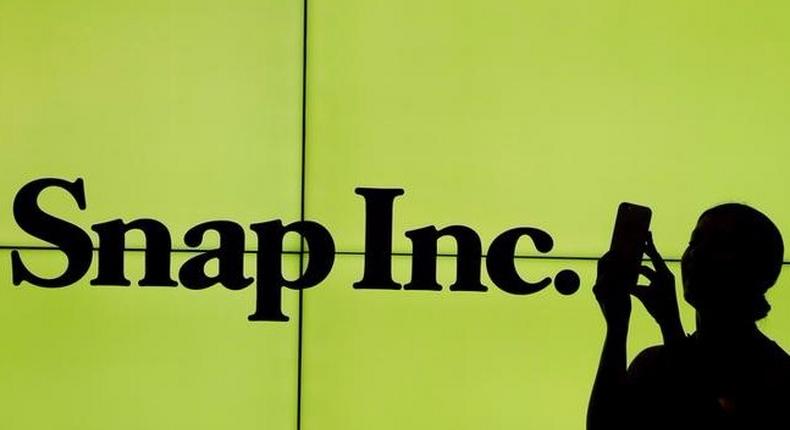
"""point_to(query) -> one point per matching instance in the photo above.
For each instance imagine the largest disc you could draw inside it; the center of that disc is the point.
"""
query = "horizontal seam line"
(354, 253)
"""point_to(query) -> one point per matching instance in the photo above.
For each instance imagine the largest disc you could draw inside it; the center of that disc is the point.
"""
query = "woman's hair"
(757, 244)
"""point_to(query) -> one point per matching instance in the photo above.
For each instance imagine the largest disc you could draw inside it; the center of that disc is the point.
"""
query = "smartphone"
(628, 239)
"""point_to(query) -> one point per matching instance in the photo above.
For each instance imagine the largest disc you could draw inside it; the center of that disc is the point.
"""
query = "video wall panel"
(94, 357)
(182, 111)
(178, 111)
(491, 115)
(507, 113)
(500, 114)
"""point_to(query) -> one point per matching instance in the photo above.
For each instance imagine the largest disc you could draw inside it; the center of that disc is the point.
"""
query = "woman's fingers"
(655, 256)
(648, 272)
(640, 292)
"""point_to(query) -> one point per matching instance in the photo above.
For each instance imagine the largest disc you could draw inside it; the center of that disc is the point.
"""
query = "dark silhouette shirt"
(688, 387)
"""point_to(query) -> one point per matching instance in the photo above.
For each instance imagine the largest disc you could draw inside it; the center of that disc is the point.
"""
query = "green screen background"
(489, 114)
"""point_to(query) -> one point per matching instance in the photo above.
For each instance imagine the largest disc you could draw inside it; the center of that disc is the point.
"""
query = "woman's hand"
(609, 390)
(612, 293)
(658, 296)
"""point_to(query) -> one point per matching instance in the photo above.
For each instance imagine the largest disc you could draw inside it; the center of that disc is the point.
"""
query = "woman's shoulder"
(650, 356)
(664, 364)
(775, 361)
(653, 362)
(657, 362)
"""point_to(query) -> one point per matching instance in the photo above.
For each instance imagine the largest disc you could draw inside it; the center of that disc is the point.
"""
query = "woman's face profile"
(710, 261)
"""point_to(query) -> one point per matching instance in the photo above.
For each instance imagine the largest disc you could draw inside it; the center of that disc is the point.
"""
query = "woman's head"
(734, 257)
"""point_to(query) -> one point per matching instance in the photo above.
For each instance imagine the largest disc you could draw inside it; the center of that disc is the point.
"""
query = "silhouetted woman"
(727, 374)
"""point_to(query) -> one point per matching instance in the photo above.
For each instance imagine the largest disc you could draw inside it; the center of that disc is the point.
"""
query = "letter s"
(69, 238)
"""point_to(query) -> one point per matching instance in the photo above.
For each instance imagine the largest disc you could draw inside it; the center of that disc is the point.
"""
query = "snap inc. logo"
(77, 246)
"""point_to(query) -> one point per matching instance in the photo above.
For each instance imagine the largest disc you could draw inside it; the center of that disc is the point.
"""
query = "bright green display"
(398, 359)
(182, 111)
(546, 113)
(490, 114)
(507, 113)
(87, 357)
